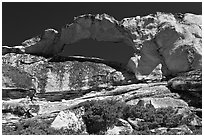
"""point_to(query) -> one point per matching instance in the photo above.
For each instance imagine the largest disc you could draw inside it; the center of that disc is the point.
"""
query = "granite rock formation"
(59, 83)
(66, 77)
(171, 40)
(189, 86)
(100, 27)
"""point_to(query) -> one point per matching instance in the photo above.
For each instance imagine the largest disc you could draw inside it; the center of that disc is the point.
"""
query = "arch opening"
(117, 52)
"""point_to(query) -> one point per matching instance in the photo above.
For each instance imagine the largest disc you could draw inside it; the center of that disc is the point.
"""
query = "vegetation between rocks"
(100, 115)
(35, 127)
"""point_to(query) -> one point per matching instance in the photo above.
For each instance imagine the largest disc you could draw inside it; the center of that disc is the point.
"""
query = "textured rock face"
(13, 77)
(180, 44)
(190, 81)
(69, 120)
(16, 83)
(16, 49)
(189, 86)
(169, 39)
(18, 79)
(62, 76)
(172, 40)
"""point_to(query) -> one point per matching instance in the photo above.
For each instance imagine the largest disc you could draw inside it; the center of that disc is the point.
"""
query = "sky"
(24, 20)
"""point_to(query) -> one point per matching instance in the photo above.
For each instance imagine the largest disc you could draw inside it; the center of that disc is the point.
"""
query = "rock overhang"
(97, 27)
(118, 52)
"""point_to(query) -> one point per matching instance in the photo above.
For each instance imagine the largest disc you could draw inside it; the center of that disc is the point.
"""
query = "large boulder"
(172, 40)
(70, 120)
(180, 44)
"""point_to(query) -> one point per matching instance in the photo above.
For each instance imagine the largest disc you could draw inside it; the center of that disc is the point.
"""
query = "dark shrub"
(35, 127)
(99, 115)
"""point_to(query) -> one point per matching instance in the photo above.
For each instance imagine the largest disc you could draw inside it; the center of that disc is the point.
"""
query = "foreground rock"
(121, 127)
(70, 120)
(181, 130)
(151, 94)
(129, 93)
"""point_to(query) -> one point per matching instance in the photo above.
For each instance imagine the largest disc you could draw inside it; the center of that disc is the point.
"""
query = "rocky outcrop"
(189, 86)
(13, 77)
(55, 87)
(60, 79)
(190, 82)
(16, 49)
(171, 40)
(98, 27)
(132, 94)
(16, 83)
(128, 93)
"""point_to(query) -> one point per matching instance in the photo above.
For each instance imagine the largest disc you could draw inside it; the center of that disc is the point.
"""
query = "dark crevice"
(196, 35)
(29, 63)
(116, 65)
